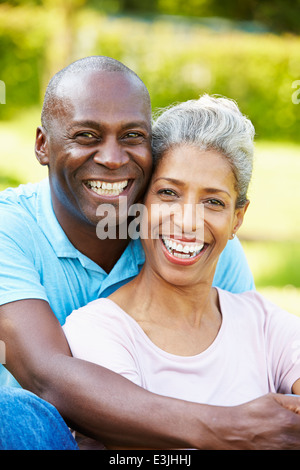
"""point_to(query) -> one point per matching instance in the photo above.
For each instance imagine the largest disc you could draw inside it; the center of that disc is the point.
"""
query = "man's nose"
(112, 155)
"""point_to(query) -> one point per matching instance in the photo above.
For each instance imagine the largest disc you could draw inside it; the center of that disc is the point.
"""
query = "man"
(96, 141)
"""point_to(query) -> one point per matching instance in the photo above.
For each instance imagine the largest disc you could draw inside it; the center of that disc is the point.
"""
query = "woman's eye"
(167, 192)
(216, 203)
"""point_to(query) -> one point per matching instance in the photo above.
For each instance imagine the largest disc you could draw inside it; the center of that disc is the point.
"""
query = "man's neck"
(83, 236)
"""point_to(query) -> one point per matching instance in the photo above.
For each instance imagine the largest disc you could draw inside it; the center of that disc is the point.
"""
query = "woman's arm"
(110, 408)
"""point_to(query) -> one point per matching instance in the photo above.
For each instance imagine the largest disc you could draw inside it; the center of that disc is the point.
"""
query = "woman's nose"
(193, 219)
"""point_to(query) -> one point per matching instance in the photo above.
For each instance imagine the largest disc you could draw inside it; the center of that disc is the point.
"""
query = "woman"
(169, 330)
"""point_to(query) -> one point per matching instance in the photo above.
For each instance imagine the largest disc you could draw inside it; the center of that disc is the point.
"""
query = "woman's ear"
(238, 218)
(41, 146)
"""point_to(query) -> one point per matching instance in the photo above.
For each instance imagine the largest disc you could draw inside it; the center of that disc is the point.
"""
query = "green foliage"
(274, 263)
(277, 15)
(176, 59)
(8, 181)
(180, 62)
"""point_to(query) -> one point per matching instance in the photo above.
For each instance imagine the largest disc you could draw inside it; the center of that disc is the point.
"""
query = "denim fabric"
(29, 423)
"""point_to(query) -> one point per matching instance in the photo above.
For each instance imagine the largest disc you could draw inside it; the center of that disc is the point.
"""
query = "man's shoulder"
(18, 207)
(24, 197)
(233, 273)
(22, 193)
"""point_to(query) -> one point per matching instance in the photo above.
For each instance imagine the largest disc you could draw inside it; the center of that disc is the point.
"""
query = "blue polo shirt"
(38, 261)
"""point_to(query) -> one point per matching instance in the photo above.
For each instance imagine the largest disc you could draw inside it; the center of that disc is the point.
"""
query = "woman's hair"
(209, 123)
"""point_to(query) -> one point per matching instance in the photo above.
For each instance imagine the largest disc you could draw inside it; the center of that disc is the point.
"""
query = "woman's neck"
(180, 320)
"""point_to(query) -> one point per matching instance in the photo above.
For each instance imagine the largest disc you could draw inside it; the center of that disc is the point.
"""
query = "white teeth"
(182, 251)
(179, 255)
(107, 189)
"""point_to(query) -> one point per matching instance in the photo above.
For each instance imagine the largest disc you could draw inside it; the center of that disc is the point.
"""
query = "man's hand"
(271, 422)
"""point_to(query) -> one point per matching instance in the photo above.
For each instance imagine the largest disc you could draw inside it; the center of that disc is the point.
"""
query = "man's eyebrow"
(98, 125)
(144, 124)
(85, 123)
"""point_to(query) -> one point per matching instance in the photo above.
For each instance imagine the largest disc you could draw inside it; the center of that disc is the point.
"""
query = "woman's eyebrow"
(217, 190)
(170, 180)
(182, 183)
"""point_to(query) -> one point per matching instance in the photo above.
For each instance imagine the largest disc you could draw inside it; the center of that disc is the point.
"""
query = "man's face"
(98, 146)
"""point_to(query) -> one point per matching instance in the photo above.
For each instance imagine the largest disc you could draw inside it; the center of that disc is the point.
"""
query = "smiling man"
(95, 139)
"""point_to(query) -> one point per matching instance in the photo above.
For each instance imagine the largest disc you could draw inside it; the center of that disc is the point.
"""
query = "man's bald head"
(85, 65)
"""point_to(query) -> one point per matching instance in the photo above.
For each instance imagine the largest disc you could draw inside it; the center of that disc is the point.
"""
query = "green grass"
(275, 268)
(274, 263)
(274, 194)
(271, 230)
(17, 161)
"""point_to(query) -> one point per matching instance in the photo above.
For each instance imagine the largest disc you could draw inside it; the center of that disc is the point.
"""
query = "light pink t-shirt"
(256, 351)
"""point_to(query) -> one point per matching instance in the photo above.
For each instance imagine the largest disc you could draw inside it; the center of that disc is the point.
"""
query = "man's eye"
(134, 137)
(86, 138)
(86, 134)
(133, 134)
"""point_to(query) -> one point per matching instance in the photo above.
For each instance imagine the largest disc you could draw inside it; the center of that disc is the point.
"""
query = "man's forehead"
(84, 95)
(96, 81)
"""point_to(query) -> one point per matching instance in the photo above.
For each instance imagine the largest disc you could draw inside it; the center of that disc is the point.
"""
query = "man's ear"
(41, 146)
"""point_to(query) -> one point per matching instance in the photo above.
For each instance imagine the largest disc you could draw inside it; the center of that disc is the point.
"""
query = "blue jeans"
(29, 423)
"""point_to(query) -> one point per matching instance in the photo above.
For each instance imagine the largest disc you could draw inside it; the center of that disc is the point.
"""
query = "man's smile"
(106, 188)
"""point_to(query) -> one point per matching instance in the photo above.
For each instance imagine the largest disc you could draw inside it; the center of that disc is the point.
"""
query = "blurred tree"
(279, 15)
(61, 33)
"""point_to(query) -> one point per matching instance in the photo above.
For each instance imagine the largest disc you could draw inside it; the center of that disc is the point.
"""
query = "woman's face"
(190, 214)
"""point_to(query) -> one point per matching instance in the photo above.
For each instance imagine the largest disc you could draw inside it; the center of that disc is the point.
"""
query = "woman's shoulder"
(253, 306)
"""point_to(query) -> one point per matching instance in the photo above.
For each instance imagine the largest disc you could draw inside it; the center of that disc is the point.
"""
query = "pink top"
(256, 351)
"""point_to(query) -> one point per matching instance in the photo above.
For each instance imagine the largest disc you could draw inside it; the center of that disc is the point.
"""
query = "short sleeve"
(98, 333)
(283, 346)
(233, 273)
(19, 276)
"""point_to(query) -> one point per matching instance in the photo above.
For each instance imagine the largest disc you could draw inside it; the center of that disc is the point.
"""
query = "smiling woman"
(169, 330)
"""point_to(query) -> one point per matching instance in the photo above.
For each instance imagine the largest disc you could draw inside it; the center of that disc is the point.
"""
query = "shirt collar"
(50, 226)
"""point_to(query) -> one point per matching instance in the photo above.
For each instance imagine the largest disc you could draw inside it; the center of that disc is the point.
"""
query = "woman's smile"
(182, 252)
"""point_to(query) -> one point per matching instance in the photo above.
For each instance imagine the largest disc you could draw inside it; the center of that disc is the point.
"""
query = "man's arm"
(108, 407)
(296, 388)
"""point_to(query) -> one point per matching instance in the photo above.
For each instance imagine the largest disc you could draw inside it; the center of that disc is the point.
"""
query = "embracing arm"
(296, 387)
(108, 407)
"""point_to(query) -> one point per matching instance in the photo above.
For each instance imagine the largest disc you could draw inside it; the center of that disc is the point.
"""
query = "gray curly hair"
(210, 123)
